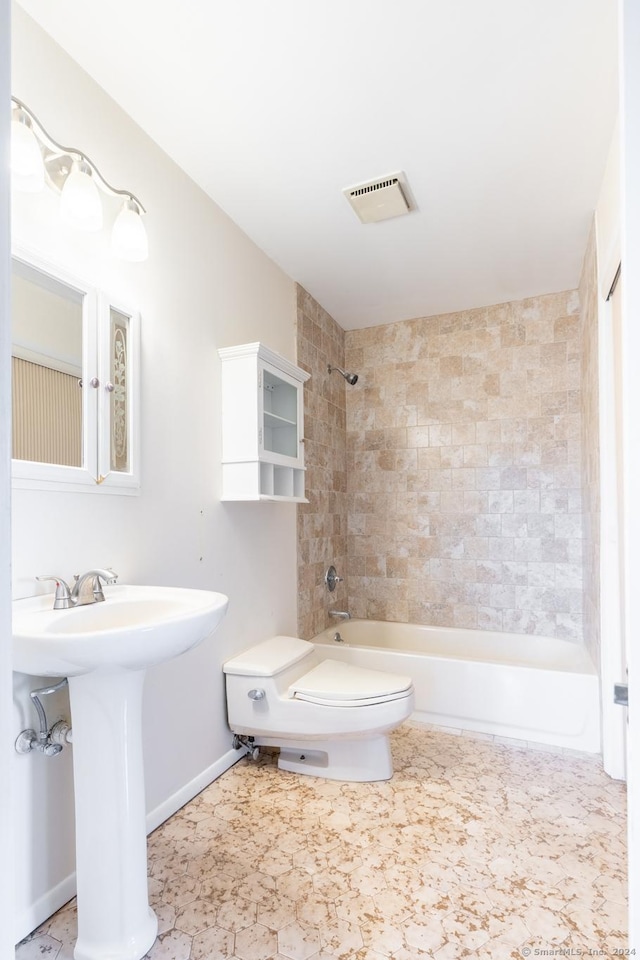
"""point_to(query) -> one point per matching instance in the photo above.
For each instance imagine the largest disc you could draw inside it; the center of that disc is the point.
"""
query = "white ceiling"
(500, 113)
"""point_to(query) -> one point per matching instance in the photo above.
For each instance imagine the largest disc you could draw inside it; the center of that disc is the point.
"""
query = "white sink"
(135, 627)
(104, 650)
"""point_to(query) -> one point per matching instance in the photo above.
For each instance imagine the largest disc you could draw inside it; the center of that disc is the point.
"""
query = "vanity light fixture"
(36, 159)
(27, 166)
(80, 203)
(129, 237)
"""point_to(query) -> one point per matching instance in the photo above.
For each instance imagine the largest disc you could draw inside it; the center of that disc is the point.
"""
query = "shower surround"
(463, 502)
(322, 523)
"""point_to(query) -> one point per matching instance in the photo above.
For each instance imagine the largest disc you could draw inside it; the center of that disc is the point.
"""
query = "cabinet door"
(280, 413)
(118, 460)
(54, 373)
(76, 383)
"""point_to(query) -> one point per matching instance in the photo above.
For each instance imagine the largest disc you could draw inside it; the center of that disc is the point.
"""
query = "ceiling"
(500, 114)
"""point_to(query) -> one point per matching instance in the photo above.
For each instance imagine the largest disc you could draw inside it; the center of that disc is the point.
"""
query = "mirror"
(47, 386)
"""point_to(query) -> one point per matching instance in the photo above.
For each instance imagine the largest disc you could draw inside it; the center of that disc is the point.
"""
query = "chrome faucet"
(82, 591)
(340, 614)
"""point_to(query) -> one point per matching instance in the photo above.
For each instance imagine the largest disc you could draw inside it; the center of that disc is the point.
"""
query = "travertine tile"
(320, 342)
(493, 421)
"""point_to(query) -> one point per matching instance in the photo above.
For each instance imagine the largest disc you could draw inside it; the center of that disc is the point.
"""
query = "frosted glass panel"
(120, 392)
(46, 334)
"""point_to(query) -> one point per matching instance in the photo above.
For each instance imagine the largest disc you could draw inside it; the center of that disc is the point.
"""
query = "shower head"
(349, 377)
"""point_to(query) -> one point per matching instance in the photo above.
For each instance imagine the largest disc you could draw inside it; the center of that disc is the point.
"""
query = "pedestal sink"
(104, 650)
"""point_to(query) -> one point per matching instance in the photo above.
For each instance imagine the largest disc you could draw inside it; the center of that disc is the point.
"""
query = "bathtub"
(535, 689)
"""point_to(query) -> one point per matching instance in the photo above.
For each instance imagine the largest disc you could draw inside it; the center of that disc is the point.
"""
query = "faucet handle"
(332, 579)
(62, 599)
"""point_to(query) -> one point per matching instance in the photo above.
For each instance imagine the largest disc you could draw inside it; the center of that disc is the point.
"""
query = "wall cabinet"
(75, 383)
(262, 425)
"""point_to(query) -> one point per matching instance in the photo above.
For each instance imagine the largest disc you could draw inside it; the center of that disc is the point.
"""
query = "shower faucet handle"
(332, 579)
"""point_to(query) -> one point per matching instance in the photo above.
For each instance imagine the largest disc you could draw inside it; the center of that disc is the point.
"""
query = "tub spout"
(340, 614)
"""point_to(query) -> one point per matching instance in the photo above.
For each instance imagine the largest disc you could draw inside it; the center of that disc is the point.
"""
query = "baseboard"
(190, 790)
(36, 913)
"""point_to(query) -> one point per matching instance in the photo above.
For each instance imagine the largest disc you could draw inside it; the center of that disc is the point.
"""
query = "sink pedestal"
(104, 649)
(115, 921)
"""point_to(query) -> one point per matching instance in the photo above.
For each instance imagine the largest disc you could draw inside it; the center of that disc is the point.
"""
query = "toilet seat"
(333, 683)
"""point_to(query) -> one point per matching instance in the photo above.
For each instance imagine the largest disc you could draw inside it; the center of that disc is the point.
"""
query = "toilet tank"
(269, 658)
(271, 666)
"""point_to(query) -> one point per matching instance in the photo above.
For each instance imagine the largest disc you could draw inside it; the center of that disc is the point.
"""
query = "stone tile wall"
(463, 469)
(322, 528)
(588, 291)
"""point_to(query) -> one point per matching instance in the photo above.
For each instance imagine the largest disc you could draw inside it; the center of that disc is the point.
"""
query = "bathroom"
(262, 556)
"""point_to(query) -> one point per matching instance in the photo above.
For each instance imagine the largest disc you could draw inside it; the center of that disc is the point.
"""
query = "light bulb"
(27, 165)
(80, 204)
(129, 237)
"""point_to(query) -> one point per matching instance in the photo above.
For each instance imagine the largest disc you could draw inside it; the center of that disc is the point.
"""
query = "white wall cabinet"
(262, 425)
(76, 378)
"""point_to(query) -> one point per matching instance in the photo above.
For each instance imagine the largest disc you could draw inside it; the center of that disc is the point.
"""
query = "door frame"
(611, 639)
(7, 754)
(629, 44)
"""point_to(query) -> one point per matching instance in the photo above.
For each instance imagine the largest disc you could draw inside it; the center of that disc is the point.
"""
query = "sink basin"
(135, 627)
(104, 650)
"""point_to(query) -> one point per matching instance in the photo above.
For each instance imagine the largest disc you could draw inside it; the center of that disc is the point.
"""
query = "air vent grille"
(370, 188)
(380, 199)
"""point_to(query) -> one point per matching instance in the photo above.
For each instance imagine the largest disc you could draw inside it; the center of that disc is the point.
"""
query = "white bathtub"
(529, 688)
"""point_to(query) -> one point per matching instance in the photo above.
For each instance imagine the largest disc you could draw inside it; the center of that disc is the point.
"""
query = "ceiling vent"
(380, 199)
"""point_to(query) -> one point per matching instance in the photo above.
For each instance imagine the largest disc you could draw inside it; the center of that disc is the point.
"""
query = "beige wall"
(321, 522)
(464, 491)
(590, 448)
(204, 286)
(608, 217)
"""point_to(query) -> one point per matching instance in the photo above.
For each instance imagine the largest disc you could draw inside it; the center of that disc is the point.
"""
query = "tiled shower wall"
(590, 449)
(322, 527)
(463, 469)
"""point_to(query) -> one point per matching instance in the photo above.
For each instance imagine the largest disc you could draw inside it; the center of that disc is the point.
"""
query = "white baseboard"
(36, 913)
(190, 790)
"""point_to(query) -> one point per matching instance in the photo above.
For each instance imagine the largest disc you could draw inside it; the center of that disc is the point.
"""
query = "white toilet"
(329, 718)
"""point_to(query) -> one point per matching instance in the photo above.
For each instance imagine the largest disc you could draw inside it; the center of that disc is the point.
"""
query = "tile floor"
(473, 849)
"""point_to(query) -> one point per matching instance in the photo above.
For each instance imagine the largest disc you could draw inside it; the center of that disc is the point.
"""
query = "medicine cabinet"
(262, 425)
(75, 382)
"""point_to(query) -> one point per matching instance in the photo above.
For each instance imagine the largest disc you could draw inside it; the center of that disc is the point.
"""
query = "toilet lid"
(333, 682)
(269, 658)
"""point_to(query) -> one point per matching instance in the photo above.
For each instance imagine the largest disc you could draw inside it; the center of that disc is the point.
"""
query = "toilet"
(330, 719)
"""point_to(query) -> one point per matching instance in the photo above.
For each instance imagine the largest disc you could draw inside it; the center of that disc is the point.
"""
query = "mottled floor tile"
(474, 849)
(43, 947)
